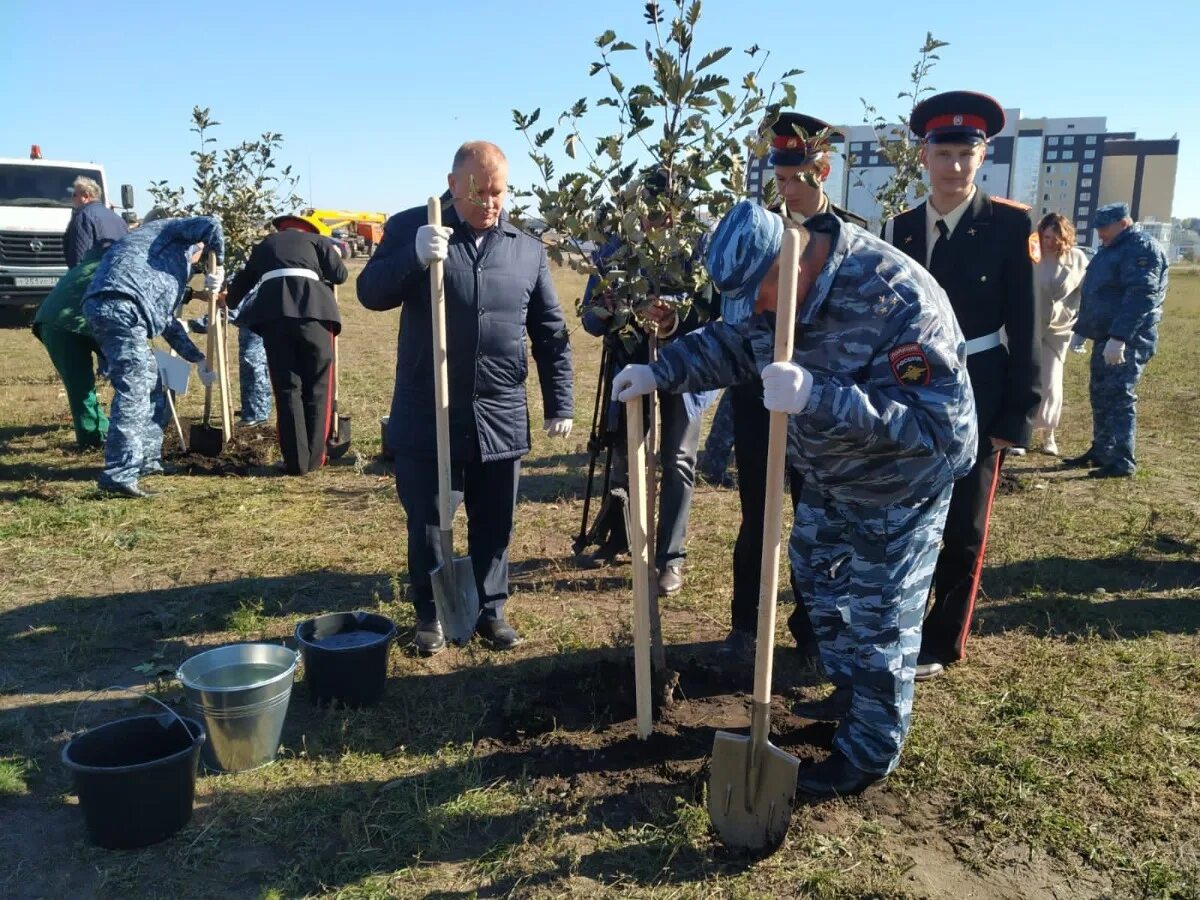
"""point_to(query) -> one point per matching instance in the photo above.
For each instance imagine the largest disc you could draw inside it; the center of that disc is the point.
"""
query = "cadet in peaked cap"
(979, 249)
(957, 117)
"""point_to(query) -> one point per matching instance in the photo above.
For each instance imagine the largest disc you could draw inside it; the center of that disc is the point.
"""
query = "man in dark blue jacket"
(498, 292)
(91, 224)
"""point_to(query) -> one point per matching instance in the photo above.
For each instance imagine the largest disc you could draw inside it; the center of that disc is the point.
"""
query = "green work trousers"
(72, 355)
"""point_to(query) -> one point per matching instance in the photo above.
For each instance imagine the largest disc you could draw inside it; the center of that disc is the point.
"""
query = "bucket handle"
(118, 687)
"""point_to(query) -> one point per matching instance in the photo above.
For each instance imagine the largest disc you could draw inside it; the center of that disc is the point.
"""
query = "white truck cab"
(35, 207)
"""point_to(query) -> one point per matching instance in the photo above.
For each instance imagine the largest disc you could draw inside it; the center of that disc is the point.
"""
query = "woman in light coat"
(1057, 280)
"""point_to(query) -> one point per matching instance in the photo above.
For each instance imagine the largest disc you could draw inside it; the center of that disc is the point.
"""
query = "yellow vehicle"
(361, 231)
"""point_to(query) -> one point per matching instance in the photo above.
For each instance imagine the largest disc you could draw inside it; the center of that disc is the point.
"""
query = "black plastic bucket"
(345, 657)
(136, 778)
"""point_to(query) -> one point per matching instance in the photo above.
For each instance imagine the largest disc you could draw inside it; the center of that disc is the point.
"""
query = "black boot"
(929, 667)
(429, 638)
(833, 708)
(835, 777)
(1085, 459)
(497, 633)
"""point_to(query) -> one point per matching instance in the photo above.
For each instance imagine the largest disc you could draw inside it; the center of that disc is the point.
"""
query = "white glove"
(786, 387)
(1078, 343)
(433, 242)
(215, 279)
(207, 375)
(633, 381)
(1114, 352)
(559, 427)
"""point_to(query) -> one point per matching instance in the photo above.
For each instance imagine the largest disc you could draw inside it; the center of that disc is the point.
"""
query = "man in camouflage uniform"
(133, 297)
(253, 380)
(1123, 294)
(883, 421)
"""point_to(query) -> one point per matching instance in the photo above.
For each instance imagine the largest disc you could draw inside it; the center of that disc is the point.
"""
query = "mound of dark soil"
(248, 452)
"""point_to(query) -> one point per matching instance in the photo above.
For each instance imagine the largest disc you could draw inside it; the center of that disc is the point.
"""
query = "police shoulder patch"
(910, 365)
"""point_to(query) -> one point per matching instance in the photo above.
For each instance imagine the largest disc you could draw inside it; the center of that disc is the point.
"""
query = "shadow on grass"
(1107, 596)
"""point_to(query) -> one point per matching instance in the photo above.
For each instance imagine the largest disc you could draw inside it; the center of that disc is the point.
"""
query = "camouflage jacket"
(891, 417)
(1123, 288)
(150, 268)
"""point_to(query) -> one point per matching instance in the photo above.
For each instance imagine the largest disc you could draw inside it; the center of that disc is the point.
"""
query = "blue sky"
(373, 98)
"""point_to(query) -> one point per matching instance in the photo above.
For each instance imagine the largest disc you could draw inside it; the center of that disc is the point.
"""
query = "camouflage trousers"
(1114, 401)
(865, 583)
(139, 411)
(253, 380)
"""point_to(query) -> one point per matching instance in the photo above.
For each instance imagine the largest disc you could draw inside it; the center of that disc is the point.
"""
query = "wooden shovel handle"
(639, 550)
(768, 585)
(441, 375)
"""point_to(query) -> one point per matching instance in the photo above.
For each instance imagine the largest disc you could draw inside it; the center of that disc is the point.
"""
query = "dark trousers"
(679, 439)
(960, 563)
(751, 427)
(489, 490)
(300, 363)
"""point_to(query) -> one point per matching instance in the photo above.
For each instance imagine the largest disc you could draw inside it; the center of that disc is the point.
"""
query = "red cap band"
(789, 142)
(956, 121)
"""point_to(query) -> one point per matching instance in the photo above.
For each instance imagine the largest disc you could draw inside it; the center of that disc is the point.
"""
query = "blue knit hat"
(1114, 212)
(742, 251)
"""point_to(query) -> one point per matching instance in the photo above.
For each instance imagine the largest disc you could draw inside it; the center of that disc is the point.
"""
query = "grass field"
(1062, 759)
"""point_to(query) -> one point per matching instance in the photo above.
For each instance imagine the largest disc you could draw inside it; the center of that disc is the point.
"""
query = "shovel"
(207, 439)
(339, 438)
(752, 784)
(639, 550)
(455, 593)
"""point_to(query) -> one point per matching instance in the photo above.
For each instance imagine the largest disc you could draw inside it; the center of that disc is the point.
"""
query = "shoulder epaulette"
(1016, 204)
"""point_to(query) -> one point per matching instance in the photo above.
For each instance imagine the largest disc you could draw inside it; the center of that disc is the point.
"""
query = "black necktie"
(940, 256)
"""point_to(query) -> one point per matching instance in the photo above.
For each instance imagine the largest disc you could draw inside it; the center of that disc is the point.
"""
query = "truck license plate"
(38, 281)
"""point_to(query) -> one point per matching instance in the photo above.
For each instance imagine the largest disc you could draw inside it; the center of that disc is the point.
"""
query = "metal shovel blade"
(750, 806)
(454, 593)
(205, 439)
(339, 442)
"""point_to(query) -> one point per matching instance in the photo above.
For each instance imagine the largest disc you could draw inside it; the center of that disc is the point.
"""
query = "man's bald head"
(479, 183)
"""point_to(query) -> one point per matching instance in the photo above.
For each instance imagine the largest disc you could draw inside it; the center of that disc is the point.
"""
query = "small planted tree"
(240, 185)
(895, 140)
(684, 122)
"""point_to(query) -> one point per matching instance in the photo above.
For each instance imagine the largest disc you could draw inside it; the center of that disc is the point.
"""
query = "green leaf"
(622, 45)
(534, 116)
(607, 38)
(543, 137)
(715, 56)
(728, 103)
(711, 82)
(790, 73)
(570, 144)
(596, 67)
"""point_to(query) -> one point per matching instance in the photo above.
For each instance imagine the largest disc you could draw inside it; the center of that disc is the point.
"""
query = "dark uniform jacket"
(91, 225)
(498, 295)
(290, 297)
(989, 279)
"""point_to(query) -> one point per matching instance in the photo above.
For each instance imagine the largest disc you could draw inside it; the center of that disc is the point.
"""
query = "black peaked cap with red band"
(957, 117)
(794, 142)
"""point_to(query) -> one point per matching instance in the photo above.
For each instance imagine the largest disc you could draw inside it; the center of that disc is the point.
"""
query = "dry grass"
(1062, 760)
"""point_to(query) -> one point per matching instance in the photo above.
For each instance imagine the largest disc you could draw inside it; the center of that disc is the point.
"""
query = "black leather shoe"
(1108, 472)
(835, 777)
(833, 708)
(670, 581)
(429, 639)
(737, 648)
(1083, 460)
(126, 490)
(497, 633)
(928, 667)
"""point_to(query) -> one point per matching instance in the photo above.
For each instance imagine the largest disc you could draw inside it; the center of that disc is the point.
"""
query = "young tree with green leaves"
(240, 185)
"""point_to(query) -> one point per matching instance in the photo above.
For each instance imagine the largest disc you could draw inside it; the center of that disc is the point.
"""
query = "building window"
(857, 145)
(1087, 168)
(1085, 197)
(1090, 139)
(1047, 169)
(1089, 154)
(1052, 154)
(1083, 210)
(1053, 141)
(1044, 210)
(1062, 182)
(1069, 140)
(1045, 197)
(1068, 154)
(1086, 182)
(984, 178)
(1080, 225)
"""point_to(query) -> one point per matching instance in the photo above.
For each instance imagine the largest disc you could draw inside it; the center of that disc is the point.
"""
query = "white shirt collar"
(951, 219)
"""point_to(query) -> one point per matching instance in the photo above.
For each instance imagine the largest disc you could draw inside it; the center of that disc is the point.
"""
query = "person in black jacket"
(499, 296)
(980, 250)
(285, 296)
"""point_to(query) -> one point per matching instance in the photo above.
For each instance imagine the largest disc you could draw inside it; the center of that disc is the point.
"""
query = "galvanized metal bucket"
(241, 692)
